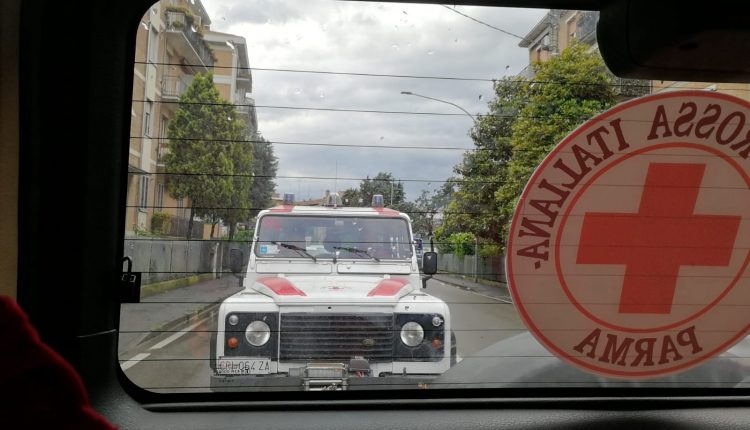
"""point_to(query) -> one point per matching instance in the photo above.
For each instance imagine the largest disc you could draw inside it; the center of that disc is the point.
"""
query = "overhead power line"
(482, 22)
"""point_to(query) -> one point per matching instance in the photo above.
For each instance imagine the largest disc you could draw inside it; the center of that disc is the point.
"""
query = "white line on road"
(133, 361)
(504, 299)
(174, 337)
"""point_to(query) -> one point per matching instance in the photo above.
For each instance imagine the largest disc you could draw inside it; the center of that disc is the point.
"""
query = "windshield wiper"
(299, 250)
(356, 251)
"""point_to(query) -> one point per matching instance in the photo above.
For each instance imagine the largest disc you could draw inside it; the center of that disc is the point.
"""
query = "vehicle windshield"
(543, 222)
(359, 238)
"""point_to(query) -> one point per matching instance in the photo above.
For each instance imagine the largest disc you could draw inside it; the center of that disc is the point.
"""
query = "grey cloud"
(429, 40)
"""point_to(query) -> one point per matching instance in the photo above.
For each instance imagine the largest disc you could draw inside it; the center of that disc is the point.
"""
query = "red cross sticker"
(664, 235)
(628, 251)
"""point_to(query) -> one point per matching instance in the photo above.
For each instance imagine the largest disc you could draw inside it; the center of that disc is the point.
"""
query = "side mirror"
(429, 263)
(236, 260)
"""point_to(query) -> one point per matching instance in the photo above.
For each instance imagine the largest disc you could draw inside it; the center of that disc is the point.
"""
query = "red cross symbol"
(661, 237)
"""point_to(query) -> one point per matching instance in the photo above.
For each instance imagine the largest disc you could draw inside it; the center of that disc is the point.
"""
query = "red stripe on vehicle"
(388, 287)
(282, 208)
(386, 211)
(280, 286)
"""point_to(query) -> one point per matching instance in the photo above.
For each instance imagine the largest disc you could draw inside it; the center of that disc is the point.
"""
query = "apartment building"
(557, 30)
(173, 43)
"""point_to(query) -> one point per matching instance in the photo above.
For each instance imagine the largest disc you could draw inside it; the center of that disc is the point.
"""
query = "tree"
(573, 88)
(427, 208)
(525, 122)
(383, 183)
(265, 165)
(473, 206)
(243, 182)
(204, 135)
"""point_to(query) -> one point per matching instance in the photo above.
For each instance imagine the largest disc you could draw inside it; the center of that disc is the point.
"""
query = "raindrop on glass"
(481, 97)
(395, 47)
(430, 52)
(297, 91)
(455, 40)
(382, 137)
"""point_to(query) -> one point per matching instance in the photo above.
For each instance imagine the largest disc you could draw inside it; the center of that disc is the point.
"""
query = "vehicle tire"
(454, 349)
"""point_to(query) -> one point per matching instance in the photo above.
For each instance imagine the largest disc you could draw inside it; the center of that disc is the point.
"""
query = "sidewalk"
(499, 292)
(168, 310)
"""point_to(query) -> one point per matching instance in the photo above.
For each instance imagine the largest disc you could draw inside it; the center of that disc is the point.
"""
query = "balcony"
(631, 88)
(245, 106)
(187, 42)
(527, 73)
(586, 27)
(172, 87)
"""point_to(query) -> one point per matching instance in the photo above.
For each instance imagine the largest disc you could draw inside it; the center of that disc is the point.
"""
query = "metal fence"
(469, 266)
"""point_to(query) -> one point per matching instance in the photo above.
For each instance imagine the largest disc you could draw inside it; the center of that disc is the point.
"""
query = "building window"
(147, 118)
(143, 193)
(159, 196)
(181, 208)
(153, 47)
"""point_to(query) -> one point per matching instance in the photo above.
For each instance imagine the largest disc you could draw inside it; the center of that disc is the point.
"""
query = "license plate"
(243, 366)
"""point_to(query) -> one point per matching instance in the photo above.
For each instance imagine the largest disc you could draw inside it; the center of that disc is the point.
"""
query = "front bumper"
(240, 383)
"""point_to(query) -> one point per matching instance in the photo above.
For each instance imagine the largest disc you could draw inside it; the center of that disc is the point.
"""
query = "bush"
(161, 223)
(461, 244)
(244, 235)
(490, 250)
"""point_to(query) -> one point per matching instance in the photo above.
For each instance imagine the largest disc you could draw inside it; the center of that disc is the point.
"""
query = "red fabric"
(38, 388)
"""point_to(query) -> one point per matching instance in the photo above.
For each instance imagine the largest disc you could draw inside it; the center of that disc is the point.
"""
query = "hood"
(307, 289)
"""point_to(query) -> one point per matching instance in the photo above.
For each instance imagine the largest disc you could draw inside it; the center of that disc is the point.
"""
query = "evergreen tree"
(204, 155)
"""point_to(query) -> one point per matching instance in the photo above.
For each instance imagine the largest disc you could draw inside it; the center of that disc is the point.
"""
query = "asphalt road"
(178, 361)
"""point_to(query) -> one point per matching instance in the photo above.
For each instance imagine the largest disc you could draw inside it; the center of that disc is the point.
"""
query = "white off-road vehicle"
(332, 300)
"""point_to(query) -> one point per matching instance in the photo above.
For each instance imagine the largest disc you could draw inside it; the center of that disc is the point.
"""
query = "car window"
(350, 237)
(296, 168)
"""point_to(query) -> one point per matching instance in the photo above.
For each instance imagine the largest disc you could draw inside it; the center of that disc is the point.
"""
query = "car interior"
(66, 84)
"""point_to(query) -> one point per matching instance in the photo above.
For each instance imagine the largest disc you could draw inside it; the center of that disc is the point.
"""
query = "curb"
(173, 284)
(501, 287)
(185, 320)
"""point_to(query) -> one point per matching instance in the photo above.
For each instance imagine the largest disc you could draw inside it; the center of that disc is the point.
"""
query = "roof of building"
(536, 31)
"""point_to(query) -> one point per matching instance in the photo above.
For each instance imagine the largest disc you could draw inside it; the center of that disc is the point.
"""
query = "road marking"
(175, 336)
(133, 361)
(504, 299)
(458, 359)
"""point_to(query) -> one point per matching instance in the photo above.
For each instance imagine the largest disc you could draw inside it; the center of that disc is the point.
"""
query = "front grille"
(306, 337)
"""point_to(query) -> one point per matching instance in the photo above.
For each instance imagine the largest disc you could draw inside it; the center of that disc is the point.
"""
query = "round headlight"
(412, 334)
(233, 319)
(257, 333)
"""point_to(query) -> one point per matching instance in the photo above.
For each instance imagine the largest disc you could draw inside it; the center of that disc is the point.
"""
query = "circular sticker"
(629, 249)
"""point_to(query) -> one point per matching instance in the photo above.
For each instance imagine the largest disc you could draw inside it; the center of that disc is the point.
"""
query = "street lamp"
(409, 93)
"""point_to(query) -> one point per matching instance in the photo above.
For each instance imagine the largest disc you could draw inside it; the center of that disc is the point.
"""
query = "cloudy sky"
(377, 38)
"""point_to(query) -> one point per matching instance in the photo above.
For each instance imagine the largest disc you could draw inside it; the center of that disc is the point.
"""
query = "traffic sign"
(628, 251)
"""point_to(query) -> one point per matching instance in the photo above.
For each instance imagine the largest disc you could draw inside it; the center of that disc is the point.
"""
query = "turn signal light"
(232, 342)
(437, 343)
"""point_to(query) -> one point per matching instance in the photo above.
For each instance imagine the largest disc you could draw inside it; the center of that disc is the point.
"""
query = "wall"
(163, 259)
(489, 268)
